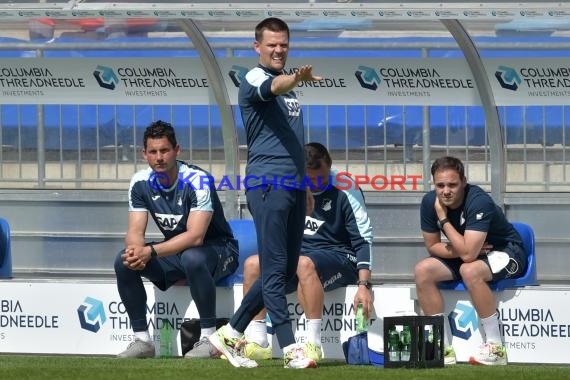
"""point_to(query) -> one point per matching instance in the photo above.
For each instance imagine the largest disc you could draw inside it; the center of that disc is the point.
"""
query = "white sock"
(258, 332)
(491, 327)
(314, 333)
(206, 332)
(143, 335)
(233, 333)
(290, 347)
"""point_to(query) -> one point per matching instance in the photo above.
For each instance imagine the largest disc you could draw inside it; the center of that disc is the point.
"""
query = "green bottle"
(393, 344)
(361, 321)
(165, 339)
(406, 340)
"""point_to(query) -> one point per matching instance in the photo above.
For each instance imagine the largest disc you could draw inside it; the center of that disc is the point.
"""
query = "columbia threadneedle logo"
(367, 77)
(106, 77)
(508, 78)
(463, 320)
(91, 314)
(237, 74)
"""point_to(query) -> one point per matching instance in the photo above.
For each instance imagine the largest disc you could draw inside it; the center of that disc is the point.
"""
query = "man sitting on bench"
(482, 246)
(198, 246)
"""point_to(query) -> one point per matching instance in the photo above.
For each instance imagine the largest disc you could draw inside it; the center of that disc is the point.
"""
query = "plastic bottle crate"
(423, 353)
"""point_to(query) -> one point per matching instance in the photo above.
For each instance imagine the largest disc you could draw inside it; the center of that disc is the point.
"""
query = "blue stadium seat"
(244, 232)
(528, 279)
(5, 250)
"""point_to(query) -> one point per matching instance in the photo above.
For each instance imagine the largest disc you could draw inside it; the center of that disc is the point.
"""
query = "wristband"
(153, 252)
(366, 283)
(441, 223)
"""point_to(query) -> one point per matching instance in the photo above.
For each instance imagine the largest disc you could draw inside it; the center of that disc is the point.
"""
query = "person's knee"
(472, 273)
(251, 271)
(194, 261)
(305, 267)
(423, 272)
(420, 271)
(119, 266)
(251, 267)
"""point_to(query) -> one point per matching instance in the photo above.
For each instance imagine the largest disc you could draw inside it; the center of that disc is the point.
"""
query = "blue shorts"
(221, 255)
(515, 268)
(334, 269)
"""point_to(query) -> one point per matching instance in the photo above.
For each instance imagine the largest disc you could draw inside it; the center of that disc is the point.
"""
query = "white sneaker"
(203, 349)
(295, 356)
(231, 348)
(138, 349)
(490, 354)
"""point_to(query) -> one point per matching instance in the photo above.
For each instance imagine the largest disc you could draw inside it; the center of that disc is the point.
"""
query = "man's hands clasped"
(136, 257)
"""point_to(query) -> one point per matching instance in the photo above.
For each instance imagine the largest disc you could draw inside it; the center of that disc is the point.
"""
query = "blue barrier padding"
(5, 250)
(367, 125)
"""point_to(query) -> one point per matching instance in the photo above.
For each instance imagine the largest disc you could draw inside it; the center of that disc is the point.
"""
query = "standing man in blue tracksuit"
(336, 252)
(278, 202)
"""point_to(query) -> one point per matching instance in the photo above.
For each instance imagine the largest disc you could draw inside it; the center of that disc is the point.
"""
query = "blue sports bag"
(356, 349)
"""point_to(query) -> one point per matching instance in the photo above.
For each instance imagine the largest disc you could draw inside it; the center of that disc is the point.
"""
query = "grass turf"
(92, 368)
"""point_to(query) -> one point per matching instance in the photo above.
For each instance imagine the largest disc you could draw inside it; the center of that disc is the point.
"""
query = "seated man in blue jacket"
(336, 252)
